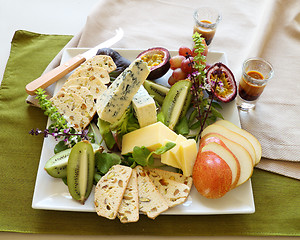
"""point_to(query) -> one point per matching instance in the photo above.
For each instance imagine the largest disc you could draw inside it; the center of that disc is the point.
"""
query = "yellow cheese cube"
(170, 157)
(187, 154)
(152, 137)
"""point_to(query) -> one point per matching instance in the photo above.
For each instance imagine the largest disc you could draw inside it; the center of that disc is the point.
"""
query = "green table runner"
(277, 198)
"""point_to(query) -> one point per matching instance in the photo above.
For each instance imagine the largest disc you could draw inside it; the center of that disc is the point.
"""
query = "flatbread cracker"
(110, 189)
(151, 202)
(94, 71)
(104, 61)
(93, 84)
(129, 208)
(174, 192)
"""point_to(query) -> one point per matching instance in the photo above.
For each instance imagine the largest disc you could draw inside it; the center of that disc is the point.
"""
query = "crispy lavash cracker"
(174, 192)
(87, 97)
(90, 72)
(73, 108)
(92, 83)
(129, 208)
(110, 189)
(171, 175)
(151, 202)
(104, 61)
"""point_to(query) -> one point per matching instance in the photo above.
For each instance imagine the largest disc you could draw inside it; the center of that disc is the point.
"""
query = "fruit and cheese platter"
(221, 150)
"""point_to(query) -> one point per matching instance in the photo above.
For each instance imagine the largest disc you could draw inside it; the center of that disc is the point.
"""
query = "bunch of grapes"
(182, 64)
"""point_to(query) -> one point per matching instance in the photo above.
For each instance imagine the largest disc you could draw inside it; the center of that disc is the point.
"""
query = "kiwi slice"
(156, 90)
(56, 166)
(80, 171)
(175, 103)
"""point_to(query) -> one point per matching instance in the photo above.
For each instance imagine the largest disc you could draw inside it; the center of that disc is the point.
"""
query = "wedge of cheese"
(114, 101)
(144, 107)
(169, 158)
(152, 137)
(187, 154)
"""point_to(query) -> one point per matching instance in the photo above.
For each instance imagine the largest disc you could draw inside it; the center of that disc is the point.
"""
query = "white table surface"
(57, 17)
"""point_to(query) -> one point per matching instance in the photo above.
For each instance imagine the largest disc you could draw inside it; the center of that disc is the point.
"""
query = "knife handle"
(54, 75)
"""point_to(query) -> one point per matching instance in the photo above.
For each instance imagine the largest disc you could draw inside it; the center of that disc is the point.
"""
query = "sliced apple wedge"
(233, 136)
(224, 153)
(212, 176)
(242, 155)
(253, 140)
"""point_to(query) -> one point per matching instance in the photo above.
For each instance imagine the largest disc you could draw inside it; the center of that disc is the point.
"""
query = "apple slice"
(239, 151)
(253, 140)
(233, 136)
(224, 153)
(212, 176)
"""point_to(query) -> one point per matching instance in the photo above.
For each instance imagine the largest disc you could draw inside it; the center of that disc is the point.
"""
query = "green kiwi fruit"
(80, 171)
(56, 166)
(156, 90)
(175, 103)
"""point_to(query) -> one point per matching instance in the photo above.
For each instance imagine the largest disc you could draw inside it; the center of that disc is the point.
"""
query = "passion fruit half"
(158, 60)
(223, 84)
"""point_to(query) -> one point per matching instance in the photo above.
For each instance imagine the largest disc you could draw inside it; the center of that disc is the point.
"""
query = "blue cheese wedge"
(114, 101)
(144, 107)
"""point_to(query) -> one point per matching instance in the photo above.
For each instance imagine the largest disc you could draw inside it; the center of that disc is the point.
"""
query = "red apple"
(212, 176)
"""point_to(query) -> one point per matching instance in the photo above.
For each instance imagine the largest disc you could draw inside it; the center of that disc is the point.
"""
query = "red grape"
(175, 62)
(187, 65)
(178, 74)
(185, 51)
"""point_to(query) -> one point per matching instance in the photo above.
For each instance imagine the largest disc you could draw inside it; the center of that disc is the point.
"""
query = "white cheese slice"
(113, 103)
(144, 107)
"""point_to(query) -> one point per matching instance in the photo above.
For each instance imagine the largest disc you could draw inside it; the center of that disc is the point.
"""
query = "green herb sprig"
(205, 108)
(59, 127)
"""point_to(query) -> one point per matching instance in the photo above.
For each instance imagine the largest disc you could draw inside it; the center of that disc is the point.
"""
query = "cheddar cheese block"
(129, 208)
(152, 137)
(110, 189)
(169, 158)
(151, 202)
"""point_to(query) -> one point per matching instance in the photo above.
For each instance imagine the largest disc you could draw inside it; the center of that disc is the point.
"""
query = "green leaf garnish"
(104, 161)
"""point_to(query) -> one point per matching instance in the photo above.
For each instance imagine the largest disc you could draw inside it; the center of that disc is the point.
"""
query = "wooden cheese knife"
(57, 73)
